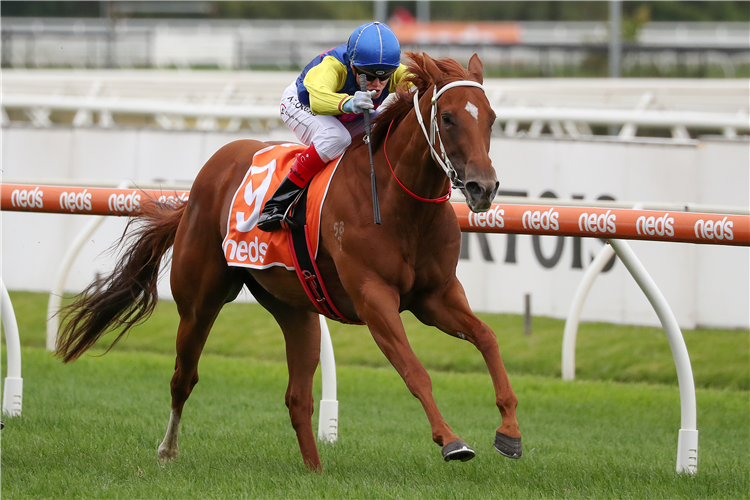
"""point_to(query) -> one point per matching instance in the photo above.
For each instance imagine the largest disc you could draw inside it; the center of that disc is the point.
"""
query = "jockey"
(324, 106)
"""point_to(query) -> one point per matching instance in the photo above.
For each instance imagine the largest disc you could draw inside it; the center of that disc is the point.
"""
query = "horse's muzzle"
(479, 196)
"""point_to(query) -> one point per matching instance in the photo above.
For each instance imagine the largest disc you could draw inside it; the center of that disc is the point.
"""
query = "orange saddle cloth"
(247, 246)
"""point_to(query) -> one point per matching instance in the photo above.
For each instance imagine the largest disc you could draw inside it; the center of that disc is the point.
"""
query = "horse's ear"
(476, 68)
(432, 69)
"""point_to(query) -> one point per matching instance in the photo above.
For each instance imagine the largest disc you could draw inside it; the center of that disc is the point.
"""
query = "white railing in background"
(40, 107)
(677, 121)
(231, 101)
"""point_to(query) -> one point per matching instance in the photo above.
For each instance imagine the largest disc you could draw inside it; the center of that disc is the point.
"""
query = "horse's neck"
(409, 154)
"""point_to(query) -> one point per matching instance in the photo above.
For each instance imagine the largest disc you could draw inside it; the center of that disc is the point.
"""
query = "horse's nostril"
(474, 190)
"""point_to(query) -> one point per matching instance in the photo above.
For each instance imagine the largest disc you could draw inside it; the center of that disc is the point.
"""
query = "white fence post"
(574, 315)
(13, 389)
(687, 443)
(328, 420)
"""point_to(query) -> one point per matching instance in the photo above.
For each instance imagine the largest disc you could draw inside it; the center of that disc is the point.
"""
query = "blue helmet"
(374, 48)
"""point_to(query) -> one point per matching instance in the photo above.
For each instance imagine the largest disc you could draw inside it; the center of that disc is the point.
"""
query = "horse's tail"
(128, 295)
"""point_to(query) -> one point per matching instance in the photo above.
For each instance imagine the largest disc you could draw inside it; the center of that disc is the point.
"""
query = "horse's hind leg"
(449, 310)
(201, 283)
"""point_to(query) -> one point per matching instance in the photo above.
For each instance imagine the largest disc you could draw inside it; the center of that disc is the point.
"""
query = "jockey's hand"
(362, 101)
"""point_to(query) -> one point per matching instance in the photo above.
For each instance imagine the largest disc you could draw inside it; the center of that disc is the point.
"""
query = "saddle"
(294, 247)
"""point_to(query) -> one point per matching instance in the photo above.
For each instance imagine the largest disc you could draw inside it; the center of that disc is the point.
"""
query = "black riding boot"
(275, 208)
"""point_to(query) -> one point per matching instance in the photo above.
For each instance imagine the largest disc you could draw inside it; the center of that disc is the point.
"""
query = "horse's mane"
(403, 102)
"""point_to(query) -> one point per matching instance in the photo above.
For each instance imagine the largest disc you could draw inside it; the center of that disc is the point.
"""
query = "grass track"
(720, 358)
(91, 429)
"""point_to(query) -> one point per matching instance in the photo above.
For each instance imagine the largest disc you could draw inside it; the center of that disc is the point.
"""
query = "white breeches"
(330, 136)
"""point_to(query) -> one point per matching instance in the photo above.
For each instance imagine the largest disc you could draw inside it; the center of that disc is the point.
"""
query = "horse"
(372, 274)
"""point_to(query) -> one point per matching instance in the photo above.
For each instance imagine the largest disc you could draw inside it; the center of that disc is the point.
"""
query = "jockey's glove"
(360, 102)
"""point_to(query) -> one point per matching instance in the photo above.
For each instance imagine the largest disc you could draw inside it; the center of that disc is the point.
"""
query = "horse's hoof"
(167, 455)
(508, 446)
(457, 450)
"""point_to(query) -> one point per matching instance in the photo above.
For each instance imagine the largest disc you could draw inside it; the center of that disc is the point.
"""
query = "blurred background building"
(515, 39)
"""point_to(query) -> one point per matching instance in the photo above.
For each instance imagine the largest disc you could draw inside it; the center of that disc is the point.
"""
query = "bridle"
(441, 159)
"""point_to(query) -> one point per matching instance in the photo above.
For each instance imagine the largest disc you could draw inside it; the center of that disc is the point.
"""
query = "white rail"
(574, 316)
(141, 106)
(40, 107)
(566, 106)
(687, 441)
(619, 117)
(13, 388)
(328, 421)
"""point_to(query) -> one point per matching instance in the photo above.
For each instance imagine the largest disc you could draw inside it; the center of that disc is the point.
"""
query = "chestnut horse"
(372, 274)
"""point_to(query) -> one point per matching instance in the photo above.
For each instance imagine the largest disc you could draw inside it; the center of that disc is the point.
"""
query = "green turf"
(90, 430)
(720, 358)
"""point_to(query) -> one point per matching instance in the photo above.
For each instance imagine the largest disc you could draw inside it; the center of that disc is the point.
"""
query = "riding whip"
(375, 202)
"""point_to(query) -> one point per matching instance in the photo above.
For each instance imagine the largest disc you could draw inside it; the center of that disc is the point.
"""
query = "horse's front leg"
(377, 306)
(448, 310)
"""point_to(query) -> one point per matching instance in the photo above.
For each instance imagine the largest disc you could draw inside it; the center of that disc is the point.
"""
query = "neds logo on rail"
(540, 219)
(27, 198)
(76, 201)
(124, 202)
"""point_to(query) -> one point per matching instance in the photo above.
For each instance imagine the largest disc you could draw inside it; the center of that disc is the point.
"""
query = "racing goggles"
(379, 74)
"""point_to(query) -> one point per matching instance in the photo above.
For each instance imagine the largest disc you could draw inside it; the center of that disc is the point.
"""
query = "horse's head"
(463, 120)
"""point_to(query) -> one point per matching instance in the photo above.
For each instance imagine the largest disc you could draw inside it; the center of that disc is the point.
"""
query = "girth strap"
(298, 238)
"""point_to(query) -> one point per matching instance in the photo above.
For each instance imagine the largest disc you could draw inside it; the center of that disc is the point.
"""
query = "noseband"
(441, 159)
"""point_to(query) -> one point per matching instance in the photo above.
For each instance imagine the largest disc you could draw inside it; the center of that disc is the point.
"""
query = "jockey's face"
(374, 84)
(377, 85)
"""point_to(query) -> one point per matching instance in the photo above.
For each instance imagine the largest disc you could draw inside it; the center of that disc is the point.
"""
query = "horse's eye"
(446, 118)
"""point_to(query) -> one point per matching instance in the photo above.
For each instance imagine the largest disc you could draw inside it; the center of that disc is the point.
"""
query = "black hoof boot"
(273, 212)
(508, 446)
(457, 450)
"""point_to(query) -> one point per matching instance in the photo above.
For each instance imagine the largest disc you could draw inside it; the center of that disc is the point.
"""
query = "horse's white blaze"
(168, 447)
(473, 110)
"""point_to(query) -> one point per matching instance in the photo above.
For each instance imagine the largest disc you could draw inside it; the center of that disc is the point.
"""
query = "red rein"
(442, 199)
